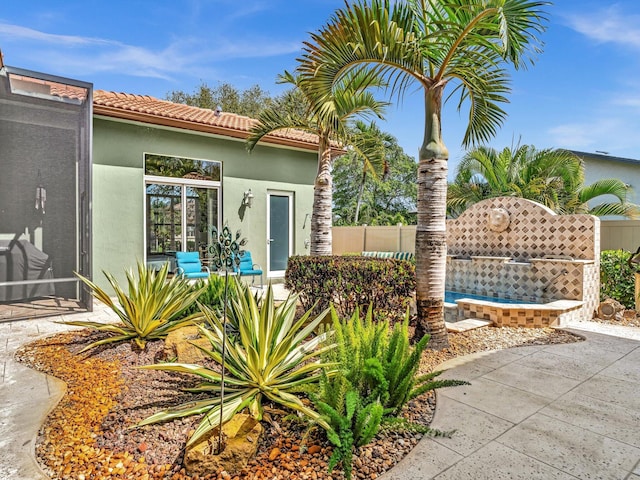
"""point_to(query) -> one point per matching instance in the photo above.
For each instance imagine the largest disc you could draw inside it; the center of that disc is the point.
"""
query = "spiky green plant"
(152, 307)
(379, 362)
(377, 377)
(272, 357)
(212, 293)
(353, 423)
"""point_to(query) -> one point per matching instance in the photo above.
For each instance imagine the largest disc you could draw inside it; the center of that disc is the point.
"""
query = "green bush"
(377, 377)
(378, 361)
(350, 282)
(353, 423)
(617, 279)
(212, 293)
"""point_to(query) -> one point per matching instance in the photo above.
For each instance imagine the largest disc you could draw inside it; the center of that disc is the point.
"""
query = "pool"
(505, 312)
(451, 297)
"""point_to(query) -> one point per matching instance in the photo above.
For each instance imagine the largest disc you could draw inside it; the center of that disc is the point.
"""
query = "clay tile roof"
(148, 109)
(48, 87)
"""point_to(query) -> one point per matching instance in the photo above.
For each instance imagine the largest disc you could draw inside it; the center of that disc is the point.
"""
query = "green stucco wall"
(118, 188)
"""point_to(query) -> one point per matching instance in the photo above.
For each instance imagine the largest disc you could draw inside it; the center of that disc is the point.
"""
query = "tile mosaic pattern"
(532, 316)
(533, 232)
(539, 257)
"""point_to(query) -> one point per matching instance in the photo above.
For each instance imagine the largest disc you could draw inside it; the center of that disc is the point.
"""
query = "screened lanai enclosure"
(45, 180)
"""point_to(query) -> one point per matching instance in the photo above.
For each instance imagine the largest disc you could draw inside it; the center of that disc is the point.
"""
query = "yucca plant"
(152, 307)
(273, 356)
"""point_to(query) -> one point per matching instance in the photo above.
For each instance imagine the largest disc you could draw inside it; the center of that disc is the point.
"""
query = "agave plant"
(153, 307)
(273, 356)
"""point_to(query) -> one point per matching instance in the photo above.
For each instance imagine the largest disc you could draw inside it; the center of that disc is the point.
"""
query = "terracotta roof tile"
(47, 87)
(148, 109)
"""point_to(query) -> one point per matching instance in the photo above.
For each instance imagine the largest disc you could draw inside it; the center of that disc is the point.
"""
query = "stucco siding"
(596, 169)
(119, 192)
(118, 220)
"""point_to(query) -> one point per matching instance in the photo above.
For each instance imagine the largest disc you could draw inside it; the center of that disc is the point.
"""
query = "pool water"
(451, 297)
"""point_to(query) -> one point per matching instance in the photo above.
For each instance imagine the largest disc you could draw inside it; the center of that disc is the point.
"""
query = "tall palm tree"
(369, 147)
(329, 120)
(553, 177)
(435, 44)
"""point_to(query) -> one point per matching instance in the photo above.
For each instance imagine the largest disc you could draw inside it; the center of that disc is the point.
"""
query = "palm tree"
(553, 177)
(465, 44)
(328, 120)
(369, 147)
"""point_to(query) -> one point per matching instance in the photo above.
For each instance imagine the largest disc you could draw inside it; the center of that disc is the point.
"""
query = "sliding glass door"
(182, 206)
(172, 228)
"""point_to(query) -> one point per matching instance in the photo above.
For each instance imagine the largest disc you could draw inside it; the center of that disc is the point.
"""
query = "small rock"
(274, 454)
(313, 449)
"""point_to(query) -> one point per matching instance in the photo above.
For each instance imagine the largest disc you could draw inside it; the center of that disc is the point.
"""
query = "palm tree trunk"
(360, 193)
(322, 202)
(431, 234)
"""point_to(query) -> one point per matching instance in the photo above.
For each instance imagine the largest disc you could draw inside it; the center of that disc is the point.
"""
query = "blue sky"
(583, 93)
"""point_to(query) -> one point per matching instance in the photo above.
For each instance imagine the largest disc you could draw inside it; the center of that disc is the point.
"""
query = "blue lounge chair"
(248, 268)
(190, 266)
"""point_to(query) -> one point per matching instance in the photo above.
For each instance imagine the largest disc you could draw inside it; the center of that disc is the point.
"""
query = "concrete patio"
(550, 411)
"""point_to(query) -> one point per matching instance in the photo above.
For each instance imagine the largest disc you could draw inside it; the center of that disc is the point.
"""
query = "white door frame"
(278, 193)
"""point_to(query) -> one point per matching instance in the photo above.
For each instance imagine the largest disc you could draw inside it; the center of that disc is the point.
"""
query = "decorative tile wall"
(538, 257)
(533, 232)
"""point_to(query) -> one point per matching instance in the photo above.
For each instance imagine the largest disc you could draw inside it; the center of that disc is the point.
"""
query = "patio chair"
(248, 268)
(190, 266)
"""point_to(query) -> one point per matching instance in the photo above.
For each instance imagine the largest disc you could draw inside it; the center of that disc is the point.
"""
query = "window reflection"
(181, 167)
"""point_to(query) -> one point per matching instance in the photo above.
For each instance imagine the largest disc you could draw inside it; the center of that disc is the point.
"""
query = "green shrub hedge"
(617, 280)
(350, 282)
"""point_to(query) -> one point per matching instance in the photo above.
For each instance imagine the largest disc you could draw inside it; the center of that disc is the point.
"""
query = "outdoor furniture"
(394, 255)
(248, 268)
(190, 266)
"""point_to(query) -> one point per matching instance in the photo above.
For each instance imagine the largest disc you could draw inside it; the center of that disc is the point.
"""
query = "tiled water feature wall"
(513, 248)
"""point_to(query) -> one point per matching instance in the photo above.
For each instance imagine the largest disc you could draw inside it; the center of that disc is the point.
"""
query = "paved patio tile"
(627, 368)
(18, 430)
(577, 368)
(472, 428)
(612, 390)
(502, 401)
(426, 460)
(473, 366)
(572, 449)
(24, 383)
(610, 351)
(614, 343)
(613, 421)
(527, 350)
(498, 462)
(540, 382)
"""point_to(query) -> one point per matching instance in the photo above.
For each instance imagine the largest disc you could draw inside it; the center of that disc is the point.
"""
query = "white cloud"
(632, 101)
(17, 32)
(86, 55)
(572, 135)
(615, 135)
(608, 26)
